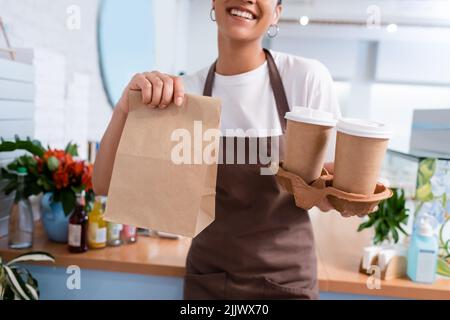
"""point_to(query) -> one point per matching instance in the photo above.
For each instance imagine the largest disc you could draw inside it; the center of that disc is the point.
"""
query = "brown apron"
(261, 245)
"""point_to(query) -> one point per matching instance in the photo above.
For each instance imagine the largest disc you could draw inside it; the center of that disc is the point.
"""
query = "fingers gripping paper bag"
(164, 175)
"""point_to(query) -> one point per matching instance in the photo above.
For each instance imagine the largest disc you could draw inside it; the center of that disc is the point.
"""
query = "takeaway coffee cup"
(307, 134)
(360, 149)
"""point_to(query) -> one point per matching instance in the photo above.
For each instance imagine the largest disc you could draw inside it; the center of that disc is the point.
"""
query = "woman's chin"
(240, 34)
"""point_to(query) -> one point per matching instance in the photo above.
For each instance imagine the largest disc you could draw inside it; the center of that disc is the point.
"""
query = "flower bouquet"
(49, 171)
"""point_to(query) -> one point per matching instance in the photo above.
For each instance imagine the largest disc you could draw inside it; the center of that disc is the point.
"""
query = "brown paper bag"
(150, 190)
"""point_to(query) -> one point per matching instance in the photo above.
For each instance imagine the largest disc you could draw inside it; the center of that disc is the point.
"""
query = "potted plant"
(389, 219)
(16, 282)
(56, 174)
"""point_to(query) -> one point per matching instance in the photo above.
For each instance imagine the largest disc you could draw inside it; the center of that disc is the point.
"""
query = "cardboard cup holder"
(309, 195)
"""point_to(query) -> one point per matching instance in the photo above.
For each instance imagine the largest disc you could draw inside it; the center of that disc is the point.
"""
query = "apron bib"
(260, 245)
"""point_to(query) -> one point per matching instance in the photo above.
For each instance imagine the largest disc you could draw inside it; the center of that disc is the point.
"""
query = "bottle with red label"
(78, 226)
(129, 234)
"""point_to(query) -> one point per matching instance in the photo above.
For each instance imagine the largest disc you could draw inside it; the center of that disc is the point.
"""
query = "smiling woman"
(260, 245)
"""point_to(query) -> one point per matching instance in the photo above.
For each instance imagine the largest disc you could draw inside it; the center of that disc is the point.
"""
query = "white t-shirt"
(248, 102)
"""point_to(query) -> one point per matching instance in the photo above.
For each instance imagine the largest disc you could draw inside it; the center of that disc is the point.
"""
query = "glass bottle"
(97, 226)
(21, 223)
(114, 230)
(78, 226)
(129, 234)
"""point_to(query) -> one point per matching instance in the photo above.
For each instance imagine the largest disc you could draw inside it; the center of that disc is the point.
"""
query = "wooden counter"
(339, 249)
(148, 256)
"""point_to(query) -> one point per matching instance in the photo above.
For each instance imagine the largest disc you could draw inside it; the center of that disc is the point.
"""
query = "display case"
(425, 177)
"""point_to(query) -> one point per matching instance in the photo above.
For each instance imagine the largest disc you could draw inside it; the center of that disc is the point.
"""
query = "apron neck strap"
(275, 81)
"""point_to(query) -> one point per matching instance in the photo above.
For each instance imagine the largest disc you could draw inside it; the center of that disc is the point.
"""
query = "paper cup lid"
(311, 116)
(364, 128)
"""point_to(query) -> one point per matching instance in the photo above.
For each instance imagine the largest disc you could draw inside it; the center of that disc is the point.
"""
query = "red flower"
(61, 178)
(86, 179)
(67, 159)
(76, 168)
(40, 164)
(58, 154)
(69, 172)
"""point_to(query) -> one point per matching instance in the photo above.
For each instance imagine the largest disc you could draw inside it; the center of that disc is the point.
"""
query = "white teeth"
(243, 14)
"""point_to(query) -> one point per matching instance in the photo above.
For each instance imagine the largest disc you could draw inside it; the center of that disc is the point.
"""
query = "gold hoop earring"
(273, 30)
(212, 14)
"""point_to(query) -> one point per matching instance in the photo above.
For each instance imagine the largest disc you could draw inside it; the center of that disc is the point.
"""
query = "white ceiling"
(429, 12)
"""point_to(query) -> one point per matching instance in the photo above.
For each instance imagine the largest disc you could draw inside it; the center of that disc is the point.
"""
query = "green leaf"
(45, 183)
(33, 291)
(427, 168)
(377, 239)
(34, 147)
(32, 256)
(77, 189)
(420, 180)
(72, 149)
(8, 293)
(365, 225)
(384, 227)
(22, 274)
(68, 200)
(16, 283)
(394, 234)
(402, 230)
(424, 193)
(8, 174)
(389, 217)
(31, 283)
(443, 268)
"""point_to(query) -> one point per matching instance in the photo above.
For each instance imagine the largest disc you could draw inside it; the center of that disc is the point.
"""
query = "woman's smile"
(242, 14)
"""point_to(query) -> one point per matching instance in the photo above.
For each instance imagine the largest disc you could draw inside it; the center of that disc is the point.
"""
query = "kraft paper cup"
(360, 149)
(307, 135)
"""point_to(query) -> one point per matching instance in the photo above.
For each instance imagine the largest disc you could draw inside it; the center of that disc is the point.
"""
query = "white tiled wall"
(16, 103)
(42, 23)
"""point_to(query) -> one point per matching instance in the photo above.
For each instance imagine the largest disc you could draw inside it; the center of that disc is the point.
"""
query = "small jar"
(129, 234)
(114, 234)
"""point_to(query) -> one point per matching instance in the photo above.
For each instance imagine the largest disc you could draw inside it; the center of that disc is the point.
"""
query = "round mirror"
(126, 42)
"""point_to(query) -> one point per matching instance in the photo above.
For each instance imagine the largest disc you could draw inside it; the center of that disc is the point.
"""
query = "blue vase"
(55, 222)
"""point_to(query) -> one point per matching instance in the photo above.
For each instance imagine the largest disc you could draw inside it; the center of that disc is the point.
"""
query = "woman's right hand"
(158, 90)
